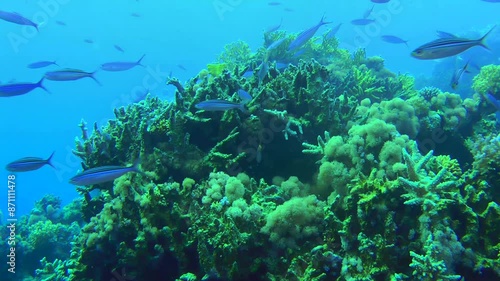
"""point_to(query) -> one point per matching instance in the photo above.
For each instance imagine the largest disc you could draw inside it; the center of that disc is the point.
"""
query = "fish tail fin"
(482, 40)
(92, 75)
(242, 107)
(49, 160)
(466, 67)
(55, 63)
(139, 62)
(38, 25)
(40, 85)
(135, 167)
(322, 21)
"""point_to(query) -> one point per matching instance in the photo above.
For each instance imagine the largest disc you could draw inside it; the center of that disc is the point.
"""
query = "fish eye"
(418, 52)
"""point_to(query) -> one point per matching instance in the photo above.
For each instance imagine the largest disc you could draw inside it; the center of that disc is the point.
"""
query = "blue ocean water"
(178, 38)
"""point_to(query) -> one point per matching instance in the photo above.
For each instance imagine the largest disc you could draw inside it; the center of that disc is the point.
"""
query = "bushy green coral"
(297, 219)
(395, 111)
(374, 144)
(234, 54)
(221, 186)
(488, 80)
(450, 107)
(442, 112)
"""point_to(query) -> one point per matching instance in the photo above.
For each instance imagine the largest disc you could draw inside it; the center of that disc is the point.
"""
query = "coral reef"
(340, 170)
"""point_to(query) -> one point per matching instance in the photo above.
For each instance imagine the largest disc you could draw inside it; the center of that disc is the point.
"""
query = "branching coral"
(423, 188)
(427, 267)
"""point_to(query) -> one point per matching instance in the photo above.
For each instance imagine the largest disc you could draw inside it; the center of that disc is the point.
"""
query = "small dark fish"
(61, 23)
(121, 65)
(274, 3)
(447, 47)
(17, 19)
(444, 34)
(68, 74)
(380, 1)
(119, 48)
(394, 39)
(181, 67)
(333, 31)
(274, 27)
(40, 64)
(103, 174)
(362, 21)
(368, 12)
(89, 41)
(289, 10)
(29, 164)
(305, 35)
(244, 95)
(17, 89)
(135, 15)
(455, 79)
(220, 105)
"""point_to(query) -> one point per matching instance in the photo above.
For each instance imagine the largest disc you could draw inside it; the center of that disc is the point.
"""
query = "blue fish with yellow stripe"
(447, 47)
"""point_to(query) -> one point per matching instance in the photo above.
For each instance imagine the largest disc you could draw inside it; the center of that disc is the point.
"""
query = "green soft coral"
(488, 80)
(297, 219)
